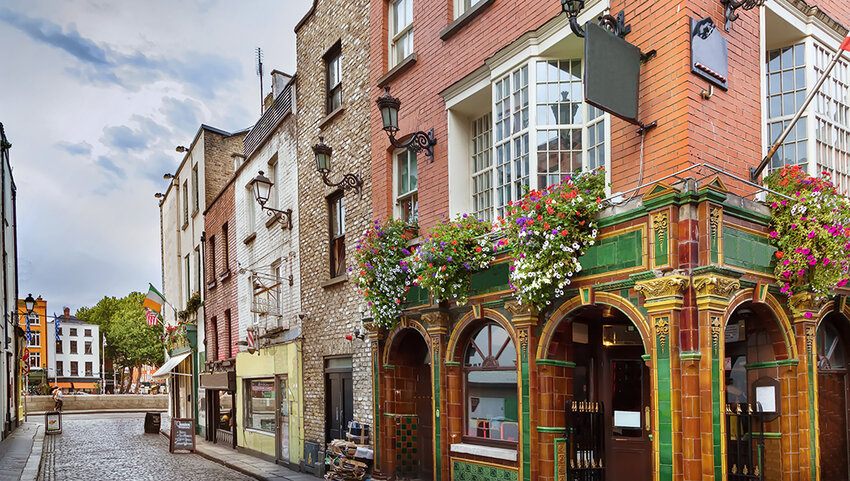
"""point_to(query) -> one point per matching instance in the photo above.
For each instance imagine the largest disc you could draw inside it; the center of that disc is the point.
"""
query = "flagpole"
(756, 172)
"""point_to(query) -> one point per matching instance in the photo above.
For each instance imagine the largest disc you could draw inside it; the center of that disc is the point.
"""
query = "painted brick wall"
(332, 311)
(220, 274)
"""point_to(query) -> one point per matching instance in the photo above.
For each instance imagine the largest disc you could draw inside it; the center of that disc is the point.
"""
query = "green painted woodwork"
(526, 412)
(452, 364)
(691, 356)
(418, 296)
(549, 429)
(770, 364)
(437, 447)
(717, 269)
(555, 362)
(665, 401)
(768, 435)
(614, 286)
(613, 253)
(743, 249)
(376, 405)
(620, 218)
(494, 279)
(813, 455)
(463, 471)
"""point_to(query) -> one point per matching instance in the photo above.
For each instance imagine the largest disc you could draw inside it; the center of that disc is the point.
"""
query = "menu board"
(182, 434)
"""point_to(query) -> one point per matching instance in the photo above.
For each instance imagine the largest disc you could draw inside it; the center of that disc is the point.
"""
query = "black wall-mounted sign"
(709, 54)
(612, 68)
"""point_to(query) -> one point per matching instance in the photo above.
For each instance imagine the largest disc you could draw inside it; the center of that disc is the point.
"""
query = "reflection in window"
(259, 407)
(491, 385)
(830, 349)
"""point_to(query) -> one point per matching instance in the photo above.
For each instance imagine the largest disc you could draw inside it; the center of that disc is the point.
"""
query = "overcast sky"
(94, 96)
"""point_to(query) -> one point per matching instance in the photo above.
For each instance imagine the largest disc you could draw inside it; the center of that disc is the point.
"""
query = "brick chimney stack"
(67, 313)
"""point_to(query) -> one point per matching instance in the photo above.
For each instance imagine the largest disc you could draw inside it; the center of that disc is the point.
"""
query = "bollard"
(53, 422)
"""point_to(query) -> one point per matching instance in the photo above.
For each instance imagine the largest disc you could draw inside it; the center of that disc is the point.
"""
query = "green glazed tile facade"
(462, 471)
(494, 279)
(614, 253)
(406, 446)
(750, 251)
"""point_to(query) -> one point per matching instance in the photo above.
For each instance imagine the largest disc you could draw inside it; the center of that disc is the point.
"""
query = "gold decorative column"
(712, 295)
(664, 299)
(437, 325)
(376, 334)
(805, 307)
(524, 318)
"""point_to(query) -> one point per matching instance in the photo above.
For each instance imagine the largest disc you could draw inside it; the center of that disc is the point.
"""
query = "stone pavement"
(244, 463)
(20, 453)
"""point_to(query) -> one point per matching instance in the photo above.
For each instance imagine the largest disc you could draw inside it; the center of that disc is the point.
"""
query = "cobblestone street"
(114, 446)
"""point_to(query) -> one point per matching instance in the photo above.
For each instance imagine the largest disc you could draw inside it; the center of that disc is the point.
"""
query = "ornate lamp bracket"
(283, 213)
(732, 5)
(349, 181)
(418, 142)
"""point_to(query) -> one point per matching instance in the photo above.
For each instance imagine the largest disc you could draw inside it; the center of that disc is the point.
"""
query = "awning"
(169, 365)
(75, 385)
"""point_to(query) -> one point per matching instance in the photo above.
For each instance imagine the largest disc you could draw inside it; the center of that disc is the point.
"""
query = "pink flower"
(808, 315)
(774, 234)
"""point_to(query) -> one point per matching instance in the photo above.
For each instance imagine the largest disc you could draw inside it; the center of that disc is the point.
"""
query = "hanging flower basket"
(450, 254)
(383, 274)
(810, 231)
(548, 231)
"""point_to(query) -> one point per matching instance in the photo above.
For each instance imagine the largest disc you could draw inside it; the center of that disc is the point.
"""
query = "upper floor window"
(401, 30)
(225, 248)
(273, 193)
(72, 331)
(407, 199)
(87, 332)
(461, 6)
(251, 215)
(511, 137)
(333, 78)
(195, 189)
(35, 360)
(482, 168)
(74, 347)
(59, 347)
(88, 347)
(35, 339)
(212, 258)
(185, 202)
(188, 266)
(490, 386)
(198, 271)
(786, 92)
(60, 368)
(336, 208)
(832, 117)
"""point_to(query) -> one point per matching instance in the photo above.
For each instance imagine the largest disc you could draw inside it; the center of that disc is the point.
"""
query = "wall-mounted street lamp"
(167, 176)
(181, 149)
(159, 195)
(29, 303)
(572, 9)
(419, 141)
(732, 5)
(323, 154)
(614, 24)
(262, 189)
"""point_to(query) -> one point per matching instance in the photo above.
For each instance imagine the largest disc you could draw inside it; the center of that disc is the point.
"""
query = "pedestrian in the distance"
(57, 399)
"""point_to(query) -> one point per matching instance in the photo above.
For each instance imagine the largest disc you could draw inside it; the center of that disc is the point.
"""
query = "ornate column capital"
(713, 291)
(663, 293)
(522, 315)
(805, 306)
(436, 322)
(374, 331)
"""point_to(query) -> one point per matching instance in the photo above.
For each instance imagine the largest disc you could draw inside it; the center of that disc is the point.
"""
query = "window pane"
(492, 405)
(260, 405)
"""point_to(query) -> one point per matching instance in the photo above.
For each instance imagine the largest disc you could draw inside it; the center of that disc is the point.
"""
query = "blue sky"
(94, 97)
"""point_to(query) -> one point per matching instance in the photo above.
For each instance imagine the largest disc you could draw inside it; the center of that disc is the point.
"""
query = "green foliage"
(383, 273)
(548, 231)
(130, 341)
(811, 232)
(452, 251)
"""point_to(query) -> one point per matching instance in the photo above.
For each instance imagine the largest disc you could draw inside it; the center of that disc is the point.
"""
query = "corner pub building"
(651, 365)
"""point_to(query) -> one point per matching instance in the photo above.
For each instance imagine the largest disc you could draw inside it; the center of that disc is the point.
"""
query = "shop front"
(220, 390)
(268, 403)
(672, 355)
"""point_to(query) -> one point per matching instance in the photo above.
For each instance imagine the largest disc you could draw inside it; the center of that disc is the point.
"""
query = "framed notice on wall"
(182, 435)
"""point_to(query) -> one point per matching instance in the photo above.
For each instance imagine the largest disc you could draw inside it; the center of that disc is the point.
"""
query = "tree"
(130, 341)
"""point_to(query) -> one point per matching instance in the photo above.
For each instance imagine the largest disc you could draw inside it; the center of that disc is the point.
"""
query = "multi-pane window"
(832, 115)
(407, 186)
(187, 265)
(59, 347)
(251, 214)
(511, 132)
(195, 189)
(186, 203)
(461, 6)
(786, 91)
(88, 347)
(212, 258)
(60, 368)
(198, 268)
(260, 405)
(225, 247)
(35, 360)
(35, 339)
(72, 331)
(482, 168)
(88, 368)
(595, 138)
(74, 347)
(74, 370)
(87, 332)
(336, 207)
(333, 78)
(401, 30)
(490, 379)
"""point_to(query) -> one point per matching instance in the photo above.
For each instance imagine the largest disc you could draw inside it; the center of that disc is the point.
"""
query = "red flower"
(779, 254)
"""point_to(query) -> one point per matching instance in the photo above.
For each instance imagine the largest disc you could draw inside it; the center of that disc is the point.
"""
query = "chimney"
(279, 81)
(67, 313)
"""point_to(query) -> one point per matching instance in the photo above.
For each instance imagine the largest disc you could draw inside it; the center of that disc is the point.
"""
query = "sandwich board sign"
(182, 435)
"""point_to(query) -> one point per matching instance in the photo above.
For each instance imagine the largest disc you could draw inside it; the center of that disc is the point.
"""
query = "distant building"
(35, 342)
(75, 356)
(10, 343)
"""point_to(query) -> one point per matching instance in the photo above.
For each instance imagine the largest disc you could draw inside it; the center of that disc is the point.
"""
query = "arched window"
(830, 349)
(490, 386)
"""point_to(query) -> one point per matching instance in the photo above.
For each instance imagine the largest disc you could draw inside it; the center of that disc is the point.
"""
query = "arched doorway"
(412, 425)
(608, 393)
(833, 397)
(754, 349)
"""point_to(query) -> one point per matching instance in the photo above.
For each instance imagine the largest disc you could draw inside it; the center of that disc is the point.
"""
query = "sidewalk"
(244, 463)
(20, 453)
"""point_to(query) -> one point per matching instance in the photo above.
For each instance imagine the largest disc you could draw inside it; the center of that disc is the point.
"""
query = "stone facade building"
(649, 366)
(335, 103)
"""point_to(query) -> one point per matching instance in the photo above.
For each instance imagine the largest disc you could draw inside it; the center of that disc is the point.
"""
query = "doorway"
(610, 410)
(832, 399)
(339, 397)
(282, 419)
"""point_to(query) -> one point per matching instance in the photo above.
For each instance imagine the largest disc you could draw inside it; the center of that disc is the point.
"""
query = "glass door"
(282, 420)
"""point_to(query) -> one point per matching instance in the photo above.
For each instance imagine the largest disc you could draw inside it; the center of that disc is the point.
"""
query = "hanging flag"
(58, 328)
(29, 331)
(154, 300)
(845, 45)
(151, 317)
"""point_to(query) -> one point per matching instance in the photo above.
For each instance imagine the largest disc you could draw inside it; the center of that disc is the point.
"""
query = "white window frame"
(251, 208)
(398, 196)
(481, 154)
(462, 6)
(36, 339)
(274, 197)
(401, 36)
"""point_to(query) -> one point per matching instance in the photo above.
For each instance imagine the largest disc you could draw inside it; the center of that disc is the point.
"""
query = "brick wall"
(220, 274)
(837, 9)
(332, 311)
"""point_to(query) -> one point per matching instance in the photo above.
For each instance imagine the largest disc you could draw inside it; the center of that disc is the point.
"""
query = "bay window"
(786, 91)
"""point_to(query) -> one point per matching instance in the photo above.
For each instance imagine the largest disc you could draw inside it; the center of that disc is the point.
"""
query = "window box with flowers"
(810, 224)
(192, 305)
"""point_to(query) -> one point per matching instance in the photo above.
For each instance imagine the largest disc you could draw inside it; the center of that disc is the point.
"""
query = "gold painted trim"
(407, 324)
(660, 221)
(481, 463)
(785, 327)
(665, 189)
(468, 319)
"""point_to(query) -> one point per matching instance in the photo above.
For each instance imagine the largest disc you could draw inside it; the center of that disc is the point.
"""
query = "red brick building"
(638, 371)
